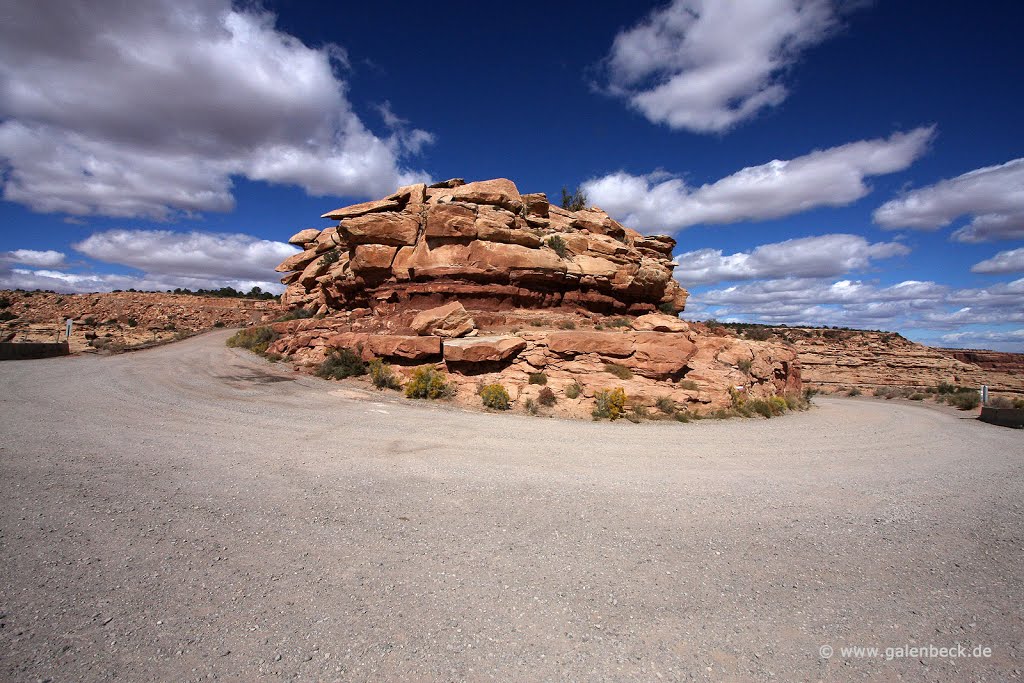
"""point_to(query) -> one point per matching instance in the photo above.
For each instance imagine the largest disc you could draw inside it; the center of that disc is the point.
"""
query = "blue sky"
(827, 163)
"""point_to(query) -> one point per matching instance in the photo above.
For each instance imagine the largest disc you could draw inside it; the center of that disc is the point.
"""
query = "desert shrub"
(546, 397)
(296, 314)
(538, 378)
(618, 322)
(427, 382)
(5, 302)
(854, 392)
(918, 396)
(132, 322)
(1018, 403)
(495, 397)
(779, 405)
(682, 416)
(947, 388)
(255, 339)
(1000, 402)
(689, 385)
(809, 393)
(666, 405)
(330, 257)
(620, 371)
(573, 201)
(745, 364)
(537, 323)
(273, 357)
(531, 406)
(667, 308)
(219, 323)
(759, 406)
(567, 325)
(7, 315)
(573, 390)
(609, 403)
(90, 321)
(341, 363)
(558, 246)
(640, 412)
(758, 334)
(965, 401)
(383, 376)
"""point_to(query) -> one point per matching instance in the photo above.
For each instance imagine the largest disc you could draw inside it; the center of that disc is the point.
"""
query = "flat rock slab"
(483, 349)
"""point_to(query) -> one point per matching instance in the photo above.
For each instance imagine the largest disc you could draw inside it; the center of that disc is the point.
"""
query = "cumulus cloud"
(820, 256)
(31, 257)
(144, 109)
(706, 65)
(829, 177)
(76, 283)
(1011, 261)
(1009, 339)
(192, 254)
(166, 259)
(910, 304)
(993, 196)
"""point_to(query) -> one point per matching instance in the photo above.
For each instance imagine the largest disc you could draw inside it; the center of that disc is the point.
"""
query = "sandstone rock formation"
(483, 244)
(492, 285)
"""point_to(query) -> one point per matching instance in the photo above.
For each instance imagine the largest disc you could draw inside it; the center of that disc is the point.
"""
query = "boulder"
(363, 209)
(395, 229)
(612, 344)
(408, 348)
(659, 322)
(450, 320)
(483, 349)
(499, 192)
(302, 236)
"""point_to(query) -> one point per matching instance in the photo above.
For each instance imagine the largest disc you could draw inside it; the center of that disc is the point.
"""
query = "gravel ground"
(194, 512)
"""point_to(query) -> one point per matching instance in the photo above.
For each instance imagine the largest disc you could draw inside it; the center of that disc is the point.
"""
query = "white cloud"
(1011, 261)
(706, 65)
(31, 257)
(167, 259)
(820, 256)
(188, 255)
(60, 281)
(854, 303)
(830, 177)
(993, 196)
(149, 108)
(1006, 340)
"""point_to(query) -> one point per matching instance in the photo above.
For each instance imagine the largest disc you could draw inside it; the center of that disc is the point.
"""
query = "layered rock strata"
(483, 244)
(492, 285)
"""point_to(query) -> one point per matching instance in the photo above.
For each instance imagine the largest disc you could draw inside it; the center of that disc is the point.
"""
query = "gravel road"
(193, 512)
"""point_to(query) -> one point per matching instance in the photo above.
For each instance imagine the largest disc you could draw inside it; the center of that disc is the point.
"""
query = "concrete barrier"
(29, 350)
(1004, 417)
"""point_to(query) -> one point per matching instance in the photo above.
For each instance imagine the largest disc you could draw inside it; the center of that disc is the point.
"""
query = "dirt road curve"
(193, 512)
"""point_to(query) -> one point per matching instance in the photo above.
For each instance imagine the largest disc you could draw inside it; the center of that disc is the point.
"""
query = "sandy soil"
(194, 512)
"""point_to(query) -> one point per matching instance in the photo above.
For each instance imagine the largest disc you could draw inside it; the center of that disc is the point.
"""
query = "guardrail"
(30, 350)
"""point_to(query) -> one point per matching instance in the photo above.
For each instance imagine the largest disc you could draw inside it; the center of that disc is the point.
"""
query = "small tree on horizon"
(575, 200)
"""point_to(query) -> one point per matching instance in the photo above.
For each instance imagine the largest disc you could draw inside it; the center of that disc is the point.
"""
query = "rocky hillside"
(490, 285)
(122, 320)
(842, 359)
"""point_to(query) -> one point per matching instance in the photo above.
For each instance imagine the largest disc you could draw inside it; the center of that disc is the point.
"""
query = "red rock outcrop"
(483, 244)
(503, 287)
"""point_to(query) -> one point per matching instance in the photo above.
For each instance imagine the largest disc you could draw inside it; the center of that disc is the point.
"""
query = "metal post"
(984, 394)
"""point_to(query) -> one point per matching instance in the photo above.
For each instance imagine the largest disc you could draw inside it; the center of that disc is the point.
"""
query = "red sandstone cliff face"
(988, 360)
(492, 285)
(834, 359)
(120, 320)
(484, 244)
